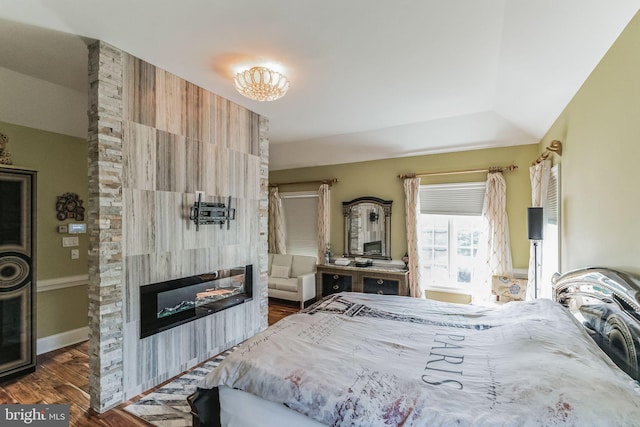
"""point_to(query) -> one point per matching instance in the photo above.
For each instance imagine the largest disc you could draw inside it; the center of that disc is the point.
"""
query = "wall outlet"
(63, 229)
(68, 242)
(75, 253)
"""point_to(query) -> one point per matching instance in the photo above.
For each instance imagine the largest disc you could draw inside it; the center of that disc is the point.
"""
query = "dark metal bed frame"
(605, 301)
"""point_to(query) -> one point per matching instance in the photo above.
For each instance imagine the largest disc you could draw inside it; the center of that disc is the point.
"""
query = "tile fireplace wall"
(154, 140)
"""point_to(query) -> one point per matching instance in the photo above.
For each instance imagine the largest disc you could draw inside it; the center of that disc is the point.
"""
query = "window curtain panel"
(498, 247)
(412, 209)
(276, 236)
(539, 174)
(324, 200)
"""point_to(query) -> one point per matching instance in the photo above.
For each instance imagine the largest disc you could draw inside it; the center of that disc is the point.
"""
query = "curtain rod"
(491, 169)
(317, 181)
(555, 147)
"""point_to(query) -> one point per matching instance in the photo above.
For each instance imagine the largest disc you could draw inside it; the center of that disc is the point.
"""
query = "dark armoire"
(17, 272)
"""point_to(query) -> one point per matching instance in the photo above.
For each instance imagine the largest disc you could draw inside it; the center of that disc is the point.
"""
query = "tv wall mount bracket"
(206, 213)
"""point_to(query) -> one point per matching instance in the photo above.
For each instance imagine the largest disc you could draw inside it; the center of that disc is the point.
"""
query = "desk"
(331, 278)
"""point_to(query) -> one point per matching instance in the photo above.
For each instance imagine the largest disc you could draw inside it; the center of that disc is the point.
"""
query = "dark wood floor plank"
(121, 418)
(279, 309)
(23, 393)
(71, 372)
(70, 393)
(6, 397)
(62, 376)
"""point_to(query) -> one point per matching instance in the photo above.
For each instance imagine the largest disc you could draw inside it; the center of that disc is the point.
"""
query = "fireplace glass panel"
(168, 304)
(210, 290)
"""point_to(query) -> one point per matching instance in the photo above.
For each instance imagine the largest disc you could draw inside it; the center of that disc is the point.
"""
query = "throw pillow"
(280, 271)
(508, 289)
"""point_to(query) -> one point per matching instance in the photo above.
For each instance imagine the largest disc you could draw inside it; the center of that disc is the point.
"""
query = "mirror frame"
(347, 207)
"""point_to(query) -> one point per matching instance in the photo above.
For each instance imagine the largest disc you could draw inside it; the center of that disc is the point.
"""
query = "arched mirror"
(367, 228)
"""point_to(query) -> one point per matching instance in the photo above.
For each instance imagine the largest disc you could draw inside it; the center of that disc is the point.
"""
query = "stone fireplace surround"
(154, 140)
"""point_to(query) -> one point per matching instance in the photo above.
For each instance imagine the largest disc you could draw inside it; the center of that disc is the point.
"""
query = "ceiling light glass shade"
(261, 84)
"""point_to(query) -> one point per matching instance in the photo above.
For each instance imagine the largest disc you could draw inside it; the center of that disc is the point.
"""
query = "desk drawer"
(334, 283)
(374, 285)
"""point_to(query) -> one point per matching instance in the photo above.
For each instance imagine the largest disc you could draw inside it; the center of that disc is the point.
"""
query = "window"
(450, 230)
(300, 212)
(449, 248)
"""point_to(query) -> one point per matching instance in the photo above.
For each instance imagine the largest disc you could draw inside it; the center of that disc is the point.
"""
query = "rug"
(167, 406)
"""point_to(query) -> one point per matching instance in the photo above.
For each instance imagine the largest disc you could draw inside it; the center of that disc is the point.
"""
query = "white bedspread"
(368, 360)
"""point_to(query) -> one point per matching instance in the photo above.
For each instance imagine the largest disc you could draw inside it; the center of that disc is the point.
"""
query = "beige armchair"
(292, 277)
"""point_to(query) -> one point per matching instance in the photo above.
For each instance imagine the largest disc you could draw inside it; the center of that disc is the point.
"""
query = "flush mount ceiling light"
(261, 84)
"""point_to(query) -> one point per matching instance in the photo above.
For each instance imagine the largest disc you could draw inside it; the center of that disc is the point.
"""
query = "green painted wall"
(380, 179)
(600, 131)
(62, 310)
(61, 162)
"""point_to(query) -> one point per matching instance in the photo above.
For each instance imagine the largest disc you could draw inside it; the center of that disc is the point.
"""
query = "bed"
(355, 359)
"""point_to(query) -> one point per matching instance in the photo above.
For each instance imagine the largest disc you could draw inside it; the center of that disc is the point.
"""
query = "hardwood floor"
(279, 309)
(62, 376)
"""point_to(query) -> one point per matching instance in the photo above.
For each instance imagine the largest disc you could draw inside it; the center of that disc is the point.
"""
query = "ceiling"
(369, 80)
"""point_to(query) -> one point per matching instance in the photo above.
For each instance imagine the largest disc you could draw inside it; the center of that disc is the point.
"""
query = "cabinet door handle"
(336, 277)
(336, 287)
(380, 292)
(380, 281)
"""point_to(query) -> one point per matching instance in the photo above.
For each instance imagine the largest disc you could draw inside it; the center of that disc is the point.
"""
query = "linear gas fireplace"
(168, 304)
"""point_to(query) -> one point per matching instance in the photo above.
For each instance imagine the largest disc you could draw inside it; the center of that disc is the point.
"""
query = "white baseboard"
(54, 342)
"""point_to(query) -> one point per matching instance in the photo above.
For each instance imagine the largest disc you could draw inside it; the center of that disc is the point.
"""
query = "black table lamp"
(535, 227)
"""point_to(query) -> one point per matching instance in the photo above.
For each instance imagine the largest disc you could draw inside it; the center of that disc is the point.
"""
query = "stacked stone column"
(105, 227)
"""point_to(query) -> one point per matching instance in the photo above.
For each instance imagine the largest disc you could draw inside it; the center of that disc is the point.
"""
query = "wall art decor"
(5, 155)
(69, 206)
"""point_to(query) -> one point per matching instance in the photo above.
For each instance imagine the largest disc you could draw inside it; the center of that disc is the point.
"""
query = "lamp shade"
(535, 223)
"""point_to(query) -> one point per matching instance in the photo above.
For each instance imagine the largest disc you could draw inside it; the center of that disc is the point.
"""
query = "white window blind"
(452, 199)
(550, 254)
(551, 205)
(300, 211)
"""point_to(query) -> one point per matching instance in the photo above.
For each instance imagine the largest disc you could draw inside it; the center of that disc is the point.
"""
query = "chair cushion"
(290, 285)
(280, 271)
(302, 265)
(282, 259)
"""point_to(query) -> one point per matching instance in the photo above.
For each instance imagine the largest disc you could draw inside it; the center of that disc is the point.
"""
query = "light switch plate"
(63, 229)
(75, 253)
(68, 242)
